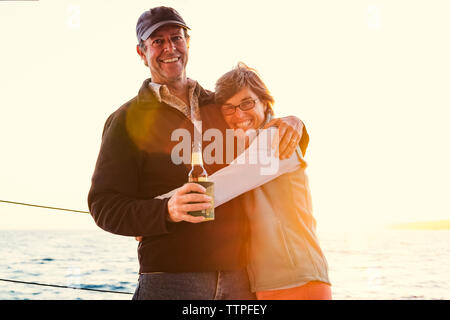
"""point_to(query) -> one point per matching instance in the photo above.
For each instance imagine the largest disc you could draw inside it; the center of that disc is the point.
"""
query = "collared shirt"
(163, 95)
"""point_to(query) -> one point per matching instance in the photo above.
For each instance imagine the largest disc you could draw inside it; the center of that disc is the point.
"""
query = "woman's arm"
(257, 165)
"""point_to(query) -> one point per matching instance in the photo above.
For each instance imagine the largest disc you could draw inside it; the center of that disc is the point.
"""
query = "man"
(180, 256)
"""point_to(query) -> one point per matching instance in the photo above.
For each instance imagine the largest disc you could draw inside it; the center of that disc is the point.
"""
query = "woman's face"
(244, 119)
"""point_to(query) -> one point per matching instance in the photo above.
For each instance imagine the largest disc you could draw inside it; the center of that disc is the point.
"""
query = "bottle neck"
(197, 158)
(198, 172)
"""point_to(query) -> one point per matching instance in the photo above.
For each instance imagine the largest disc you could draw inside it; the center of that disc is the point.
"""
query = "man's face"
(245, 120)
(167, 54)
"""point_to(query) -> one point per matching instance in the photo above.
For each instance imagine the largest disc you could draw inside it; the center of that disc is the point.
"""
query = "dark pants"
(219, 285)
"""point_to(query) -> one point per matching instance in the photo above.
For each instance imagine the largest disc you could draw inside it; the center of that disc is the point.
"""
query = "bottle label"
(207, 213)
(198, 179)
(197, 158)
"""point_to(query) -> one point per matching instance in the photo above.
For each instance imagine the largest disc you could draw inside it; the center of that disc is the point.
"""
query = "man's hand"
(289, 132)
(183, 202)
(179, 204)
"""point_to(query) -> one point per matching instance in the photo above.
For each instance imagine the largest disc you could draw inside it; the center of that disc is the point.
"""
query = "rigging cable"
(40, 206)
(54, 285)
(64, 287)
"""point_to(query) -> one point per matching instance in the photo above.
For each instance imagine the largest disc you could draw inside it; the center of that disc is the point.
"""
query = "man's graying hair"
(143, 47)
(237, 79)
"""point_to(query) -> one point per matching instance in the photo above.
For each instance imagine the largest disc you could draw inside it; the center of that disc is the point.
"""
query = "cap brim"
(153, 28)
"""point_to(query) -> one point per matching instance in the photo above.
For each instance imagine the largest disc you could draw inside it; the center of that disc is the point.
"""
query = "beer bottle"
(199, 175)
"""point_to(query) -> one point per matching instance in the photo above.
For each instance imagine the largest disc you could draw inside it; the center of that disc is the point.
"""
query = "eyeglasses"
(229, 109)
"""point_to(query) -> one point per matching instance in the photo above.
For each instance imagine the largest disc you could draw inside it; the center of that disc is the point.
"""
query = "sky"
(370, 79)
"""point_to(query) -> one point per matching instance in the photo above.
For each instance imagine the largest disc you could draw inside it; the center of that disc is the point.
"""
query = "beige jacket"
(284, 250)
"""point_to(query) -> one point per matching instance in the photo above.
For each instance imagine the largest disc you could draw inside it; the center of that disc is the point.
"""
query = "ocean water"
(376, 264)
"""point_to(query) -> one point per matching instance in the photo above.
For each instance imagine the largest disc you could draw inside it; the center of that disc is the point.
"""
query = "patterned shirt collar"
(163, 95)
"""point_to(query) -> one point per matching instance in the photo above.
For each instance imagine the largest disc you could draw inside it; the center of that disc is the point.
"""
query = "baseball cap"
(155, 18)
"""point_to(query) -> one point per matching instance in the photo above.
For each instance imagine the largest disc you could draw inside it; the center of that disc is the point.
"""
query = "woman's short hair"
(237, 79)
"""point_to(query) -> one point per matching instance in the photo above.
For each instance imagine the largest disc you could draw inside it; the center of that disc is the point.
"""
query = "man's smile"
(170, 60)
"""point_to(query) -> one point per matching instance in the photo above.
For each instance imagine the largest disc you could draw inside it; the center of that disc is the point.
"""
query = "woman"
(286, 261)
